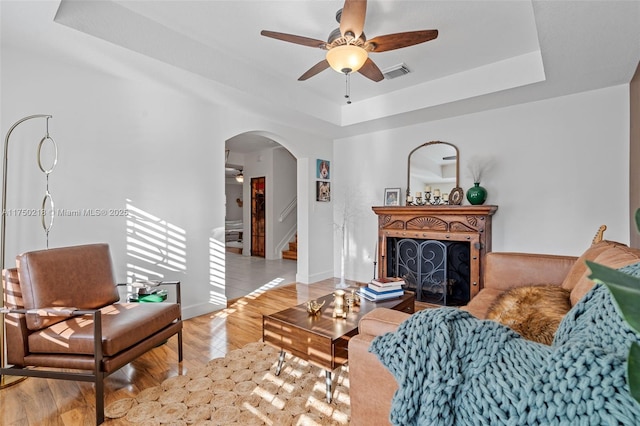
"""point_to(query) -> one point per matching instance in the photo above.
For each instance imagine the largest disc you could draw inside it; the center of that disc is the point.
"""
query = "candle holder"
(419, 201)
(352, 299)
(429, 199)
(339, 304)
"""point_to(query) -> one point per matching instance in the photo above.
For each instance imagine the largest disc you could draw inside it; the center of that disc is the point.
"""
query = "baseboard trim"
(201, 309)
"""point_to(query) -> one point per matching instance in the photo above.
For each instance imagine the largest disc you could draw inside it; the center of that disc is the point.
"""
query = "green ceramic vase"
(476, 194)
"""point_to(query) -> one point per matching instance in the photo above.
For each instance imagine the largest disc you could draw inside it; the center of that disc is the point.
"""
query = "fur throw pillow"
(534, 311)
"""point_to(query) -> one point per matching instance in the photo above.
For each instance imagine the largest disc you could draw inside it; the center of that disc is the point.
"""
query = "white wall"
(233, 191)
(131, 141)
(561, 170)
(122, 144)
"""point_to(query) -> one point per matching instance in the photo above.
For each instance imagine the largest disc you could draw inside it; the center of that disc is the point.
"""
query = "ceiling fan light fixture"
(347, 58)
(240, 177)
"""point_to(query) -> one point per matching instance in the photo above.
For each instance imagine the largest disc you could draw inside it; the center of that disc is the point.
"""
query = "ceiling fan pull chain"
(347, 88)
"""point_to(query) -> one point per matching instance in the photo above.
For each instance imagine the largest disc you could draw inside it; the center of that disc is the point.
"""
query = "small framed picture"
(323, 169)
(323, 191)
(392, 196)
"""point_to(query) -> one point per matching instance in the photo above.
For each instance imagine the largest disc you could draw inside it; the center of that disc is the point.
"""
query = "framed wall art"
(323, 191)
(323, 170)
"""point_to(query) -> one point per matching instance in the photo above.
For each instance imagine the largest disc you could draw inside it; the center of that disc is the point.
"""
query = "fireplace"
(437, 271)
(438, 250)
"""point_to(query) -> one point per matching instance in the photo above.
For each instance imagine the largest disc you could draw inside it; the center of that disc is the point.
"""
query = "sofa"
(372, 385)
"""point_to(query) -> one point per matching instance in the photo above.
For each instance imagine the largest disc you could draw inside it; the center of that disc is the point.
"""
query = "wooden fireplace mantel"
(442, 223)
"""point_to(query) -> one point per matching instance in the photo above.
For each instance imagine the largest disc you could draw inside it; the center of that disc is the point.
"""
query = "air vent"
(396, 71)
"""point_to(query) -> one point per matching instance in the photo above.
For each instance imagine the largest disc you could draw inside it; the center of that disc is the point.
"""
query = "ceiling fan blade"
(305, 41)
(320, 66)
(371, 71)
(396, 41)
(352, 19)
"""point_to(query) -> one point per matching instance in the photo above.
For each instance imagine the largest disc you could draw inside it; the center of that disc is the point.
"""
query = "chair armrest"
(176, 284)
(54, 311)
(70, 312)
(504, 271)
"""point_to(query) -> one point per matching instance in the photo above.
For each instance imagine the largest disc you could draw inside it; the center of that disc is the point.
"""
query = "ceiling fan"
(347, 47)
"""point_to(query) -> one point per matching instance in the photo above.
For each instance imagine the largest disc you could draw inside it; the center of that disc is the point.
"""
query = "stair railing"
(288, 209)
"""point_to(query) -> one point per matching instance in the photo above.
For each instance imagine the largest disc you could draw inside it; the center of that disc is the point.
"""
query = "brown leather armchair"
(62, 312)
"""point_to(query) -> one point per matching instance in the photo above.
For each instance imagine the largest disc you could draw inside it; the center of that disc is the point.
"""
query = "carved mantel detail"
(427, 222)
(442, 223)
(462, 227)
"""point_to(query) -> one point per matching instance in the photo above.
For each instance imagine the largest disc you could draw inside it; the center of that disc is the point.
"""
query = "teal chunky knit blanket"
(452, 368)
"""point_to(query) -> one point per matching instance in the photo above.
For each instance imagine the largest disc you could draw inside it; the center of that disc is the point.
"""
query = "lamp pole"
(6, 381)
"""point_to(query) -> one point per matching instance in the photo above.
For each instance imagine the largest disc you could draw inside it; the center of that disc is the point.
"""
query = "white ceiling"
(488, 53)
(473, 29)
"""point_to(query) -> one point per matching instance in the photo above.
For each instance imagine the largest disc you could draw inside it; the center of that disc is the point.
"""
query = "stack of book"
(383, 288)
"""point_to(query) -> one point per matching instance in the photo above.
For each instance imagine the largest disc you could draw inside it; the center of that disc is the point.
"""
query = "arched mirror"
(433, 175)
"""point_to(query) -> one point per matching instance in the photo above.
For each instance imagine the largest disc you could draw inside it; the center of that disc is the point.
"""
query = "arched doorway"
(260, 172)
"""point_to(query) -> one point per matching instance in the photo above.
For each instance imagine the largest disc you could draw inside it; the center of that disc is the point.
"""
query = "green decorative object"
(477, 194)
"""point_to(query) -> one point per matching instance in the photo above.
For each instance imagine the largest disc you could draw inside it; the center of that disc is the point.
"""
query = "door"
(258, 233)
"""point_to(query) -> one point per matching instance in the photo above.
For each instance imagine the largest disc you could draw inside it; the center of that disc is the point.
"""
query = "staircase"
(292, 252)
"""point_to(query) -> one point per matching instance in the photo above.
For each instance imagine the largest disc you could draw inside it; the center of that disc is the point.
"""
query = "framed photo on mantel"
(392, 196)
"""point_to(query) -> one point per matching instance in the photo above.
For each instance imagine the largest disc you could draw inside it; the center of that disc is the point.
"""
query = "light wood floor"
(39, 402)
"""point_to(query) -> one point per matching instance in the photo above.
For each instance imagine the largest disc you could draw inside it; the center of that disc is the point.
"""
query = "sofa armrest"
(371, 385)
(380, 321)
(504, 271)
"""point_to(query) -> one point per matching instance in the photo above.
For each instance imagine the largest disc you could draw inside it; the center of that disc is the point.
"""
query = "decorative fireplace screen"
(437, 271)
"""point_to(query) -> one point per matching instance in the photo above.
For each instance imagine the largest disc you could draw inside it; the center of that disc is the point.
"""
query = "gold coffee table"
(321, 339)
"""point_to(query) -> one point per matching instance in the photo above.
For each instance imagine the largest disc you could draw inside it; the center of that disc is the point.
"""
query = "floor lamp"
(11, 380)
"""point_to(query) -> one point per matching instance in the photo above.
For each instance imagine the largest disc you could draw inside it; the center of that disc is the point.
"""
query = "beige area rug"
(240, 389)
